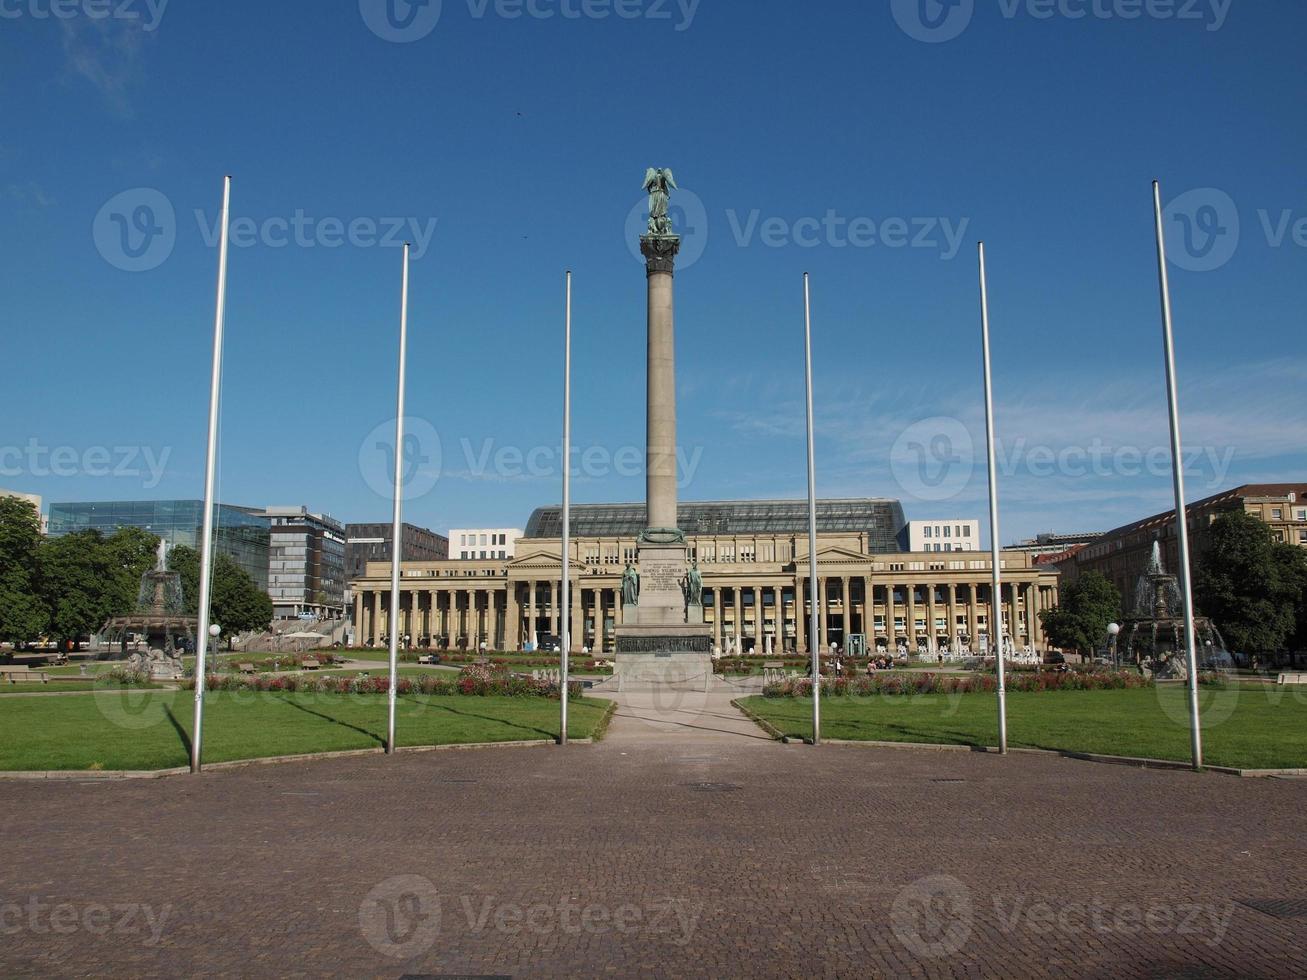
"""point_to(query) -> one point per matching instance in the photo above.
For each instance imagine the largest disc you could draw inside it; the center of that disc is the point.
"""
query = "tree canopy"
(87, 578)
(238, 603)
(1087, 607)
(23, 615)
(1250, 584)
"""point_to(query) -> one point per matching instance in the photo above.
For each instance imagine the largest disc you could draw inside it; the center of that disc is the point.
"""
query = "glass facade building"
(242, 533)
(880, 519)
(306, 564)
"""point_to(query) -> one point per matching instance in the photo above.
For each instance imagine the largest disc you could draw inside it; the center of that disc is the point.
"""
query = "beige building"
(1122, 555)
(755, 584)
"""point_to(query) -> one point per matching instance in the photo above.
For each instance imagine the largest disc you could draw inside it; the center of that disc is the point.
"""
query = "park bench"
(1297, 678)
(247, 668)
(430, 658)
(25, 676)
(310, 665)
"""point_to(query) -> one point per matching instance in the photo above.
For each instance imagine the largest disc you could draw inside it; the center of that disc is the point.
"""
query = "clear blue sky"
(526, 138)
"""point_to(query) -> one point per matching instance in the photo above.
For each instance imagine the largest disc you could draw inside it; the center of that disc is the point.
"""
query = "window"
(947, 529)
(483, 541)
(1302, 514)
(948, 547)
(1277, 513)
(1302, 537)
(966, 531)
(927, 532)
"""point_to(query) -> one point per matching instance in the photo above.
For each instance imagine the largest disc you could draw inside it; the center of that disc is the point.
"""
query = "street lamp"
(1112, 630)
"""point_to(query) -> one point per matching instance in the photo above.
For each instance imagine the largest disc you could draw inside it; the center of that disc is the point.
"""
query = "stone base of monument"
(664, 657)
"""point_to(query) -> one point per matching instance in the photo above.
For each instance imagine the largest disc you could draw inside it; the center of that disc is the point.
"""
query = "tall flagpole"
(210, 471)
(565, 608)
(1177, 472)
(814, 641)
(996, 583)
(397, 532)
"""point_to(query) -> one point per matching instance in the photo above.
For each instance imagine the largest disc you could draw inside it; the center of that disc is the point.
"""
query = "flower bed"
(931, 683)
(474, 681)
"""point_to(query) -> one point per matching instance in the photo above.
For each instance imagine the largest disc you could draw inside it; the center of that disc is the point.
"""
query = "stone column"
(911, 618)
(530, 611)
(1014, 614)
(358, 617)
(891, 631)
(577, 618)
(1032, 615)
(778, 644)
(823, 638)
(555, 594)
(660, 453)
(737, 626)
(512, 619)
(973, 625)
(800, 618)
(846, 607)
(719, 637)
(374, 608)
(932, 632)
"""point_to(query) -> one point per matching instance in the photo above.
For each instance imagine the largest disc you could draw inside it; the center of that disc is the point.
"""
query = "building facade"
(241, 533)
(960, 534)
(757, 589)
(1052, 544)
(483, 543)
(306, 564)
(1122, 555)
(372, 542)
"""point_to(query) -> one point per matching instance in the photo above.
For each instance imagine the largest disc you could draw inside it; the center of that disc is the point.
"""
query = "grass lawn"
(54, 687)
(151, 729)
(1246, 727)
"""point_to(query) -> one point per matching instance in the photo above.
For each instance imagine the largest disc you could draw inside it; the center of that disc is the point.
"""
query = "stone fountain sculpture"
(1153, 633)
(160, 614)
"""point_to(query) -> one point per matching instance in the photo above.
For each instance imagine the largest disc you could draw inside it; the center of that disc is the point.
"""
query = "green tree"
(238, 604)
(22, 613)
(1088, 605)
(87, 578)
(1249, 584)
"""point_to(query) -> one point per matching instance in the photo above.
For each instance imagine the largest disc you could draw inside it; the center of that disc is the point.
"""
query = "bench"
(431, 658)
(1298, 678)
(246, 668)
(25, 676)
(310, 665)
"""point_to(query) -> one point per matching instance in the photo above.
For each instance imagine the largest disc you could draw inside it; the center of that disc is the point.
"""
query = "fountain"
(160, 615)
(1153, 633)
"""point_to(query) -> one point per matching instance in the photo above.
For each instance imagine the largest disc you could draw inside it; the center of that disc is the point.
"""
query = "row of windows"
(466, 554)
(470, 540)
(948, 531)
(1277, 514)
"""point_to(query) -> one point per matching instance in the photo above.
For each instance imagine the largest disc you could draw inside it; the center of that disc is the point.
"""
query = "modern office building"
(466, 543)
(958, 534)
(306, 564)
(372, 542)
(1123, 554)
(239, 532)
(754, 560)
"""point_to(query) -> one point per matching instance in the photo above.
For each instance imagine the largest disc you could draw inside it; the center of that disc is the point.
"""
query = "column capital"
(660, 253)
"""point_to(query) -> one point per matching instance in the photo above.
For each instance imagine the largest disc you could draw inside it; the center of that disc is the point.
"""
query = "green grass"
(124, 729)
(1245, 727)
(54, 687)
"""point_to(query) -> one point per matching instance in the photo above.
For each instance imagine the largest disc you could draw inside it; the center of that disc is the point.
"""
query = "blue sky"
(863, 143)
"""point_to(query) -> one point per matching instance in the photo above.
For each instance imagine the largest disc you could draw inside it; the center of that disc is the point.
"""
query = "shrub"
(932, 683)
(473, 682)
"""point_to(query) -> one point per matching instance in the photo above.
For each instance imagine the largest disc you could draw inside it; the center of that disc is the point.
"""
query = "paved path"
(704, 853)
(656, 717)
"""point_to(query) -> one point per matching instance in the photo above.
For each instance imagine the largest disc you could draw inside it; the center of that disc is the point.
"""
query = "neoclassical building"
(754, 560)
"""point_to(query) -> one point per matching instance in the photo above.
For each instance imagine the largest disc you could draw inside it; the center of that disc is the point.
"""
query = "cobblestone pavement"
(675, 856)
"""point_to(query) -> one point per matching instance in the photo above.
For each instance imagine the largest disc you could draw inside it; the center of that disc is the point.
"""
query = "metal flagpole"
(814, 641)
(397, 532)
(210, 469)
(996, 584)
(1177, 471)
(565, 610)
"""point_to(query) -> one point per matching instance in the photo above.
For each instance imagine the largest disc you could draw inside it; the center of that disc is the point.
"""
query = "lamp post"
(1112, 630)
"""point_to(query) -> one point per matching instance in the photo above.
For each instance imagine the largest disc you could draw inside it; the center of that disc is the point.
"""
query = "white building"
(943, 535)
(483, 542)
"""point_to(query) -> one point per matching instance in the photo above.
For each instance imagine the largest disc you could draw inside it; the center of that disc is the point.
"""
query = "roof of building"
(1230, 497)
(878, 516)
